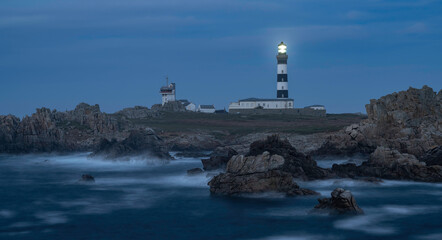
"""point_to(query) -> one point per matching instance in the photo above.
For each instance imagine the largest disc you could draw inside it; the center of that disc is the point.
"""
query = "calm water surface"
(41, 198)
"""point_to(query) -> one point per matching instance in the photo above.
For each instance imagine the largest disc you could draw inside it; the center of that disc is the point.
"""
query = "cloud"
(416, 28)
(22, 20)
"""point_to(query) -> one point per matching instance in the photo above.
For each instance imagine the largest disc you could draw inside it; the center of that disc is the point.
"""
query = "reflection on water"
(41, 198)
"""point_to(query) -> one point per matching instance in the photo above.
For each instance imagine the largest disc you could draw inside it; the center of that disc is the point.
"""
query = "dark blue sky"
(116, 53)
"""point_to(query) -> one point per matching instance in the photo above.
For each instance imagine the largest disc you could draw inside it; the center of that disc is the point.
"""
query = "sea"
(41, 197)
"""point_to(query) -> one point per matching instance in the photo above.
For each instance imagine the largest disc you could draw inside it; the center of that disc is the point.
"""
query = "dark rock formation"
(138, 112)
(46, 130)
(433, 157)
(87, 178)
(141, 142)
(218, 158)
(409, 121)
(341, 202)
(296, 163)
(391, 164)
(194, 171)
(256, 174)
(173, 106)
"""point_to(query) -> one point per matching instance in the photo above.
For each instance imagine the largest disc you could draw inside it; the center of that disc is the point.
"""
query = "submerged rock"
(194, 171)
(341, 202)
(87, 178)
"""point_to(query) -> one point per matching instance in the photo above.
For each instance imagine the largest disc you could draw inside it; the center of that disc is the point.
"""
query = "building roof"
(265, 99)
(207, 106)
(316, 105)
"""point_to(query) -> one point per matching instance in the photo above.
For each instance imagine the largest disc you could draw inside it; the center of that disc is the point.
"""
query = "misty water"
(41, 198)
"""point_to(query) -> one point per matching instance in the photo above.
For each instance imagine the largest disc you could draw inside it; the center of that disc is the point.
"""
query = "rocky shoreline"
(402, 135)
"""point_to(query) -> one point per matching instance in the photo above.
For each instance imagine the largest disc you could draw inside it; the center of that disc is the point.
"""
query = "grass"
(238, 125)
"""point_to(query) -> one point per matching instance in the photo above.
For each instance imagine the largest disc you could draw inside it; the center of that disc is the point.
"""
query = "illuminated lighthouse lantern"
(282, 85)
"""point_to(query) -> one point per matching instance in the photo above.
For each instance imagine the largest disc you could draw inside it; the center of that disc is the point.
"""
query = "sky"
(342, 53)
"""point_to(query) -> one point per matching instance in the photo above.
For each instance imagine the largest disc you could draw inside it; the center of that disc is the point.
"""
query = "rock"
(254, 164)
(341, 202)
(87, 178)
(433, 157)
(194, 171)
(47, 131)
(270, 181)
(388, 163)
(218, 158)
(192, 154)
(372, 180)
(141, 142)
(256, 174)
(296, 163)
(138, 112)
(173, 106)
(408, 121)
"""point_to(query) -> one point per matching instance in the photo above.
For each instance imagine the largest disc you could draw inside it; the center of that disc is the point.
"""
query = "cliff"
(409, 121)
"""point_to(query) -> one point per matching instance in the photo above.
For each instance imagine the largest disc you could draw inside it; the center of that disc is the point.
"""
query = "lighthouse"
(281, 104)
(282, 86)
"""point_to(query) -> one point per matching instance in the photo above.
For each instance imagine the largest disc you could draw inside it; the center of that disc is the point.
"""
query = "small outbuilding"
(206, 108)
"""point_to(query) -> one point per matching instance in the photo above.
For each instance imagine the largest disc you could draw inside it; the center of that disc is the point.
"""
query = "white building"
(206, 108)
(282, 92)
(316, 107)
(168, 92)
(188, 105)
(252, 103)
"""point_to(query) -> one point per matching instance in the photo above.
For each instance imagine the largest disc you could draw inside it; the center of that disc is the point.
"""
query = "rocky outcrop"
(218, 158)
(341, 202)
(46, 130)
(298, 164)
(391, 164)
(409, 121)
(256, 174)
(141, 142)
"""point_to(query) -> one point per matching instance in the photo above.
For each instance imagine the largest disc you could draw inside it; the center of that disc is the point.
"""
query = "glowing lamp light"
(282, 48)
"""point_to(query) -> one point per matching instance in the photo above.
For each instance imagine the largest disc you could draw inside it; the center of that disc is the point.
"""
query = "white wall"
(282, 86)
(191, 107)
(282, 68)
(265, 104)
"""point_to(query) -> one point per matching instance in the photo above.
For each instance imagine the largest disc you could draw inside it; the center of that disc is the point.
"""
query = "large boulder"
(256, 174)
(254, 164)
(141, 142)
(298, 164)
(218, 158)
(341, 202)
(391, 164)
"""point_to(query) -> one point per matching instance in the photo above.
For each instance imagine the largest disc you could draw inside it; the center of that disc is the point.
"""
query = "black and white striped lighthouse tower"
(282, 86)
